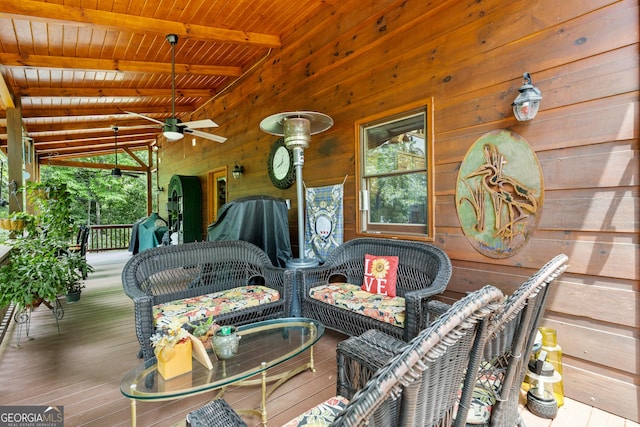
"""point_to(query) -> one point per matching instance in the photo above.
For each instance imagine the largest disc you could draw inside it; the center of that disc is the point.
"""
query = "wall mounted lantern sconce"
(237, 171)
(526, 104)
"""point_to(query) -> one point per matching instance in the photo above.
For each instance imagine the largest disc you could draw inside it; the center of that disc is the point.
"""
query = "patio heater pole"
(297, 128)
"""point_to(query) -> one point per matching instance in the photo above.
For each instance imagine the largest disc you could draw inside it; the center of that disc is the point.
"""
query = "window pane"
(398, 199)
(395, 176)
(395, 146)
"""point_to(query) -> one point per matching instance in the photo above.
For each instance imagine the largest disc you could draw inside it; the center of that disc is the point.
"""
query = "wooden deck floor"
(81, 366)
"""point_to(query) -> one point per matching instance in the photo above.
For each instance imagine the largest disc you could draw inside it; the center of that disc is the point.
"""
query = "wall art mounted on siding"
(499, 193)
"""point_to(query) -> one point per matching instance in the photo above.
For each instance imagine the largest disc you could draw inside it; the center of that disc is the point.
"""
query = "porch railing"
(109, 237)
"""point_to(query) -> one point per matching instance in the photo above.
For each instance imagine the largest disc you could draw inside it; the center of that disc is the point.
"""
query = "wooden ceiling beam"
(140, 125)
(103, 111)
(46, 144)
(130, 23)
(75, 63)
(79, 164)
(87, 151)
(49, 92)
(103, 143)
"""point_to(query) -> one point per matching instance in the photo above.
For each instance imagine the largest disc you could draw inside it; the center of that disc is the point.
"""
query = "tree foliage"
(99, 198)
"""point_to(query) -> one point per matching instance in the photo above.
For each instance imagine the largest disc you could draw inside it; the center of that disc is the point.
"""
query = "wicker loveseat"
(234, 281)
(423, 271)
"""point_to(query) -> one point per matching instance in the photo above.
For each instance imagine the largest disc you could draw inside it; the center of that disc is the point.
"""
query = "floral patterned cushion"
(352, 297)
(483, 397)
(321, 415)
(203, 306)
(482, 401)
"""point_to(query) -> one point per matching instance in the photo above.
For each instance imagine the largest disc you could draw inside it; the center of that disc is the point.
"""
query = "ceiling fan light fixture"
(171, 131)
(172, 135)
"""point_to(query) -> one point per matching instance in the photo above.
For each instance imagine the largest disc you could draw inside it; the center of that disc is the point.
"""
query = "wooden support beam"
(104, 111)
(121, 22)
(71, 63)
(48, 92)
(90, 165)
(6, 99)
(14, 156)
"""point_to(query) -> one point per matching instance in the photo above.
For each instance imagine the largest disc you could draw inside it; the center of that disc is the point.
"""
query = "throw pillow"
(380, 274)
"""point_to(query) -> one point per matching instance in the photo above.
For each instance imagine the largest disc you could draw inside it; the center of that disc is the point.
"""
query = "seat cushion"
(353, 298)
(483, 397)
(320, 415)
(203, 306)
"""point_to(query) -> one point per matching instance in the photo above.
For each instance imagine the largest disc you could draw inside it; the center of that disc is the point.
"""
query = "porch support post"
(14, 155)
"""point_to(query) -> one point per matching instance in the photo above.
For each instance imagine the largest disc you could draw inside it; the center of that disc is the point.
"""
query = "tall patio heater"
(297, 128)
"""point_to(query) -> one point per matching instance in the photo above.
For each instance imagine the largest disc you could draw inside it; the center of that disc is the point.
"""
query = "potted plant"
(204, 330)
(74, 272)
(39, 267)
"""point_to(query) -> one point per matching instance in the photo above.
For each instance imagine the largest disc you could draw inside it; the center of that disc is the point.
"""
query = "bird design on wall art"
(499, 193)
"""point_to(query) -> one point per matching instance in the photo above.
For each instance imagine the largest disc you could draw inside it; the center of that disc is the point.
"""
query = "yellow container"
(174, 361)
(554, 356)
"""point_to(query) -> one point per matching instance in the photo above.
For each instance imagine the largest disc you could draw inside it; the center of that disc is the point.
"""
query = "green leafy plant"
(203, 328)
(39, 265)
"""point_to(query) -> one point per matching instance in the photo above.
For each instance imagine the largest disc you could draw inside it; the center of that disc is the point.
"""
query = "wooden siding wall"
(356, 58)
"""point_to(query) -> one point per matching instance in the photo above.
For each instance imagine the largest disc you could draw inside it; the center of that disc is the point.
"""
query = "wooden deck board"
(80, 368)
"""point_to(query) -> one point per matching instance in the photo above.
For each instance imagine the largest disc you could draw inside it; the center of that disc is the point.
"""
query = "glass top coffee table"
(263, 345)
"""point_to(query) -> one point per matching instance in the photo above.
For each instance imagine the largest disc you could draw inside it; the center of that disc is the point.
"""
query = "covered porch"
(80, 368)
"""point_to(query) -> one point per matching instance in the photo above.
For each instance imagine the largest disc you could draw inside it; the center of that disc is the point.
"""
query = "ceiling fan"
(116, 172)
(173, 128)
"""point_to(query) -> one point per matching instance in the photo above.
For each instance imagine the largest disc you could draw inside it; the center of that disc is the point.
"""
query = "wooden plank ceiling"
(76, 66)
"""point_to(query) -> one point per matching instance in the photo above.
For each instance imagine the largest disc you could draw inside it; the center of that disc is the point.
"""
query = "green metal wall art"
(499, 193)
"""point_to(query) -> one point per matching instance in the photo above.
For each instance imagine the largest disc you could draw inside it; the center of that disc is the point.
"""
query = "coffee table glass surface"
(263, 345)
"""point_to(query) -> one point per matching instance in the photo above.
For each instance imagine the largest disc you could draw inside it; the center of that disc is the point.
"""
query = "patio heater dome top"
(275, 124)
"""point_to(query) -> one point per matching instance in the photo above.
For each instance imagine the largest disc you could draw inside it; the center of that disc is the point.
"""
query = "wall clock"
(281, 170)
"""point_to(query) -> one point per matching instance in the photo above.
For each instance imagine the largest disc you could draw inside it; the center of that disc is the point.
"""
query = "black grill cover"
(261, 220)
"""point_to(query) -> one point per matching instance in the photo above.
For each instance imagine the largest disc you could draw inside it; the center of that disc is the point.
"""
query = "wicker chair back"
(511, 337)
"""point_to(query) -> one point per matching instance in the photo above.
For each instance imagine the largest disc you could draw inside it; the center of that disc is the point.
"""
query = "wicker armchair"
(502, 364)
(171, 273)
(511, 338)
(417, 387)
(424, 270)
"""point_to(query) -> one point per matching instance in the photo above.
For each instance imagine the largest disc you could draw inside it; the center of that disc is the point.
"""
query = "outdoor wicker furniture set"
(381, 366)
(418, 387)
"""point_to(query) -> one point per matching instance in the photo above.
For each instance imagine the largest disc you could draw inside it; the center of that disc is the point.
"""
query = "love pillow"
(380, 274)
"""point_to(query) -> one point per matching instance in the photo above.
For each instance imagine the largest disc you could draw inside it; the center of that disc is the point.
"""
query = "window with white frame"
(395, 170)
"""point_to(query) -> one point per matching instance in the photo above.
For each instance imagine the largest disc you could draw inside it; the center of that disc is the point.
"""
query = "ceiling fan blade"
(197, 124)
(206, 135)
(145, 117)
